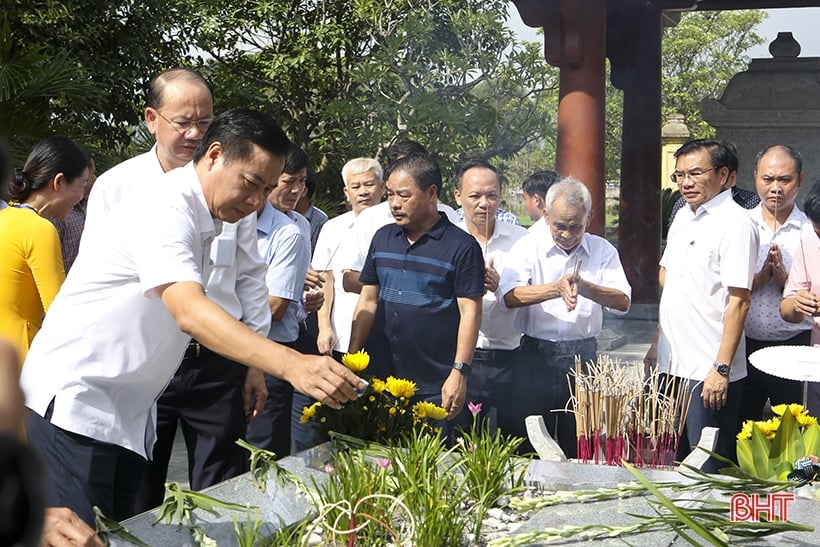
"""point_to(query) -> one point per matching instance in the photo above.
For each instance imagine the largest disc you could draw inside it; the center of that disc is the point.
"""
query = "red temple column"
(581, 109)
(575, 36)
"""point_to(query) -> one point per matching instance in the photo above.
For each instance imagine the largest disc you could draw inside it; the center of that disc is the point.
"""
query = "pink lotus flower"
(384, 463)
(329, 469)
(474, 408)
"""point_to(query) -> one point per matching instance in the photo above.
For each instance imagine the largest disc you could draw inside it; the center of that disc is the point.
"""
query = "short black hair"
(156, 87)
(310, 185)
(720, 154)
(422, 168)
(403, 148)
(239, 128)
(812, 204)
(458, 176)
(795, 155)
(540, 182)
(296, 159)
(49, 157)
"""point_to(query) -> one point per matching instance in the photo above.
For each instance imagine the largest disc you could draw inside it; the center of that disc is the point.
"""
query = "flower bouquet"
(783, 447)
(381, 414)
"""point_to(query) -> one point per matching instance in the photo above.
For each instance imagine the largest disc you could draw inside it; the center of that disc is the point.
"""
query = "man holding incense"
(706, 273)
(562, 279)
(778, 178)
(478, 192)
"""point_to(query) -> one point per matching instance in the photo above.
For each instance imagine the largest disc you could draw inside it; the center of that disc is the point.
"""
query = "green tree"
(30, 78)
(700, 55)
(348, 78)
(102, 53)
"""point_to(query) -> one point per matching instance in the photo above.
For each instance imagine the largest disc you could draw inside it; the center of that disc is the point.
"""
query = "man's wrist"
(464, 368)
(724, 369)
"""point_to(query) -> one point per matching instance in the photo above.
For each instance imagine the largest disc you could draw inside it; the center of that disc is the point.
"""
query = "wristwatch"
(463, 368)
(723, 369)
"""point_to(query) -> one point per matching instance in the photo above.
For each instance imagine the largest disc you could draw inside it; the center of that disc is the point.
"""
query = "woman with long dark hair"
(31, 263)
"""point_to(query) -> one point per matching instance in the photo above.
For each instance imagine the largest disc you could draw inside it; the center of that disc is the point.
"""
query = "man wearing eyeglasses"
(745, 198)
(706, 273)
(210, 397)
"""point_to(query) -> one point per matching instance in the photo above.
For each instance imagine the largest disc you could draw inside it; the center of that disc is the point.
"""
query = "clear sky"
(802, 22)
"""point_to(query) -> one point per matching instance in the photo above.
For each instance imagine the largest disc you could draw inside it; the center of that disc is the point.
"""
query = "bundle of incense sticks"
(622, 416)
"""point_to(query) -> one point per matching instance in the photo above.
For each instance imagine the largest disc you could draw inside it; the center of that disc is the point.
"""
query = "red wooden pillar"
(575, 38)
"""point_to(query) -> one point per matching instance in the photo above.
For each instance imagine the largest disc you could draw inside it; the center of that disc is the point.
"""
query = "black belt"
(481, 354)
(195, 350)
(564, 347)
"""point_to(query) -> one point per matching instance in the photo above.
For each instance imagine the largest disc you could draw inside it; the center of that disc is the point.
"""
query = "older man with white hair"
(363, 187)
(562, 280)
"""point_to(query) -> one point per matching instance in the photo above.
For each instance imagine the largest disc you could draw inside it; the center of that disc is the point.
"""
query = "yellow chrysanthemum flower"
(392, 411)
(356, 362)
(746, 431)
(805, 420)
(309, 412)
(400, 387)
(377, 384)
(769, 427)
(425, 409)
(794, 408)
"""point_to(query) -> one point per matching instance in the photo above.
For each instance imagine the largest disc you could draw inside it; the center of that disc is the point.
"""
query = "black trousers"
(205, 400)
(699, 417)
(271, 429)
(540, 387)
(83, 472)
(489, 384)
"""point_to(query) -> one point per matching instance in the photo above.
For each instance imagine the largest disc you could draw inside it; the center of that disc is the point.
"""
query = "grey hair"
(573, 191)
(361, 165)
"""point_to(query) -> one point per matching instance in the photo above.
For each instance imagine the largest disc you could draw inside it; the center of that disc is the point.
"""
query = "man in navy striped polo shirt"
(420, 307)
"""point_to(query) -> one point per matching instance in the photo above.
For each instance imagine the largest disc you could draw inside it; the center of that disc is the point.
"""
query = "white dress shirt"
(335, 247)
(763, 321)
(540, 226)
(109, 346)
(498, 330)
(535, 260)
(237, 281)
(706, 253)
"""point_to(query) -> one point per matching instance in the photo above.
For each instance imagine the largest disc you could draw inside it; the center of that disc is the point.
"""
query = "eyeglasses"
(679, 176)
(182, 127)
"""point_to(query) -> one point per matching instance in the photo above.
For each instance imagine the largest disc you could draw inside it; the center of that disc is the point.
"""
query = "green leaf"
(675, 510)
(745, 457)
(787, 446)
(107, 527)
(760, 452)
(811, 440)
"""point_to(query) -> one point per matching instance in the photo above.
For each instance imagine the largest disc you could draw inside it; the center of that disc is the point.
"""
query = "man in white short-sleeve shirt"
(363, 188)
(210, 398)
(478, 192)
(561, 279)
(706, 272)
(780, 224)
(121, 323)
